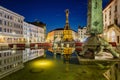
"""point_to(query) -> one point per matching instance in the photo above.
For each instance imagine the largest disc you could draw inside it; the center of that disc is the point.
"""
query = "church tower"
(67, 33)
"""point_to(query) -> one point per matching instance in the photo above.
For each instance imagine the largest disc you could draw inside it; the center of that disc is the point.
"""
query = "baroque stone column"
(95, 44)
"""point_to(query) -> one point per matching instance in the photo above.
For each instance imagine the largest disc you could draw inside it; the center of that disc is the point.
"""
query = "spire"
(67, 27)
(67, 33)
(67, 15)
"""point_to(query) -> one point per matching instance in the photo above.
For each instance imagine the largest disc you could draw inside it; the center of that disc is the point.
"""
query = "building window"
(5, 23)
(11, 18)
(0, 29)
(116, 21)
(5, 54)
(115, 8)
(110, 14)
(0, 22)
(118, 39)
(5, 15)
(0, 62)
(10, 30)
(110, 23)
(113, 36)
(10, 24)
(0, 54)
(0, 14)
(105, 17)
(5, 30)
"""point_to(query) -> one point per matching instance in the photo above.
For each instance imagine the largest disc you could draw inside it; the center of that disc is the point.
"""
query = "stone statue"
(96, 45)
(95, 19)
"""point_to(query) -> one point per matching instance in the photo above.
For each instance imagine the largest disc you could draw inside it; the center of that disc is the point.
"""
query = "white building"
(11, 26)
(82, 33)
(11, 32)
(32, 34)
(26, 35)
(10, 61)
(75, 35)
(111, 14)
(26, 32)
(111, 21)
(36, 34)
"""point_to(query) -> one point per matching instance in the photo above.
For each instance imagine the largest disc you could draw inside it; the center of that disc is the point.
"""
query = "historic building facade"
(50, 36)
(32, 34)
(62, 39)
(111, 21)
(11, 32)
(82, 35)
(11, 26)
(111, 14)
(56, 35)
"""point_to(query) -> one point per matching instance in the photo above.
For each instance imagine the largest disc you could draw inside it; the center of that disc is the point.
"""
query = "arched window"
(113, 36)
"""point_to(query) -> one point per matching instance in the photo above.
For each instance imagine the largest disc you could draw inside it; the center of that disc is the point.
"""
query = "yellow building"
(56, 35)
(111, 22)
(112, 34)
(50, 36)
(62, 38)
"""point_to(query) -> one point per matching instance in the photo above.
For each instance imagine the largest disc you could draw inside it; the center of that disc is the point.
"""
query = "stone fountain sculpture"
(95, 44)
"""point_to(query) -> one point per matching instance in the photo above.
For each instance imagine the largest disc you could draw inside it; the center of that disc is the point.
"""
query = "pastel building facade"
(32, 34)
(111, 13)
(111, 21)
(11, 26)
(11, 32)
(56, 35)
(82, 36)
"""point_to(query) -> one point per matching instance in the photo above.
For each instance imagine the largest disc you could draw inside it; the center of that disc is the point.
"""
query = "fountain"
(66, 46)
(96, 46)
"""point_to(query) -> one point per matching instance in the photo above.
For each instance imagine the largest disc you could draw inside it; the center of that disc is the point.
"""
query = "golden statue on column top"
(67, 33)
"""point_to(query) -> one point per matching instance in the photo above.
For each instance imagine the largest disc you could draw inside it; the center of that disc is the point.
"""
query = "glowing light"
(13, 52)
(0, 36)
(43, 63)
(13, 33)
(84, 40)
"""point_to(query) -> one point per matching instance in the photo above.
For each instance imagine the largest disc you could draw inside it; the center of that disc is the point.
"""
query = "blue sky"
(51, 12)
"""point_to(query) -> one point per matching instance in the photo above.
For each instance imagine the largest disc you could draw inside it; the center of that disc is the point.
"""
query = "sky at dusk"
(51, 12)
